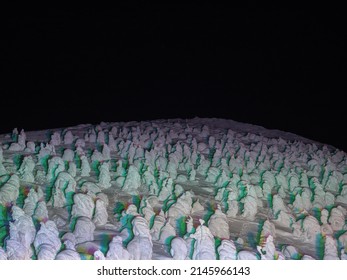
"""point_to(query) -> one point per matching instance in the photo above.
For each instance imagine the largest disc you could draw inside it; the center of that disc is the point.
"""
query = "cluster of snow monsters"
(169, 189)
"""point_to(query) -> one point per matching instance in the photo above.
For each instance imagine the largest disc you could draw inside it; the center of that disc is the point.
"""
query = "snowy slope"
(253, 175)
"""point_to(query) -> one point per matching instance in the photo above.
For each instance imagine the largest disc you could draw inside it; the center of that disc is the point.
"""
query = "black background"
(275, 68)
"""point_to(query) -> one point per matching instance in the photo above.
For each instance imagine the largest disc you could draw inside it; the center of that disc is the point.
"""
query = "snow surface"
(279, 195)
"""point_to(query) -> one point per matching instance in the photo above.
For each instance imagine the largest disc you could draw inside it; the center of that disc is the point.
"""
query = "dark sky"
(275, 68)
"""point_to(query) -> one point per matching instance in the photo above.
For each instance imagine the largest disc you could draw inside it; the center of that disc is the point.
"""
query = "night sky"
(274, 68)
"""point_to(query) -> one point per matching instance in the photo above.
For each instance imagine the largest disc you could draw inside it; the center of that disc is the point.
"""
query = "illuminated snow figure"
(55, 139)
(68, 155)
(68, 138)
(166, 189)
(282, 185)
(204, 166)
(30, 202)
(197, 207)
(250, 207)
(120, 171)
(267, 250)
(21, 143)
(46, 150)
(281, 213)
(111, 142)
(233, 204)
(15, 250)
(204, 248)
(47, 242)
(306, 199)
(278, 204)
(132, 181)
(326, 228)
(30, 148)
(172, 167)
(218, 224)
(63, 185)
(337, 218)
(332, 182)
(179, 249)
(69, 253)
(167, 232)
(141, 246)
(100, 216)
(41, 212)
(10, 190)
(80, 144)
(104, 180)
(96, 156)
(321, 198)
(159, 221)
(55, 166)
(83, 206)
(116, 251)
(23, 229)
(302, 201)
(106, 152)
(84, 230)
(268, 228)
(269, 182)
(90, 136)
(330, 248)
(311, 228)
(227, 250)
(72, 170)
(147, 210)
(26, 170)
(3, 255)
(182, 207)
(85, 167)
(150, 181)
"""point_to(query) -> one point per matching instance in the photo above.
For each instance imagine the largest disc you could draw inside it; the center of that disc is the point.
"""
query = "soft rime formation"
(116, 251)
(179, 249)
(227, 250)
(63, 185)
(195, 187)
(140, 247)
(204, 248)
(26, 169)
(9, 192)
(218, 224)
(47, 242)
(22, 235)
(84, 230)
